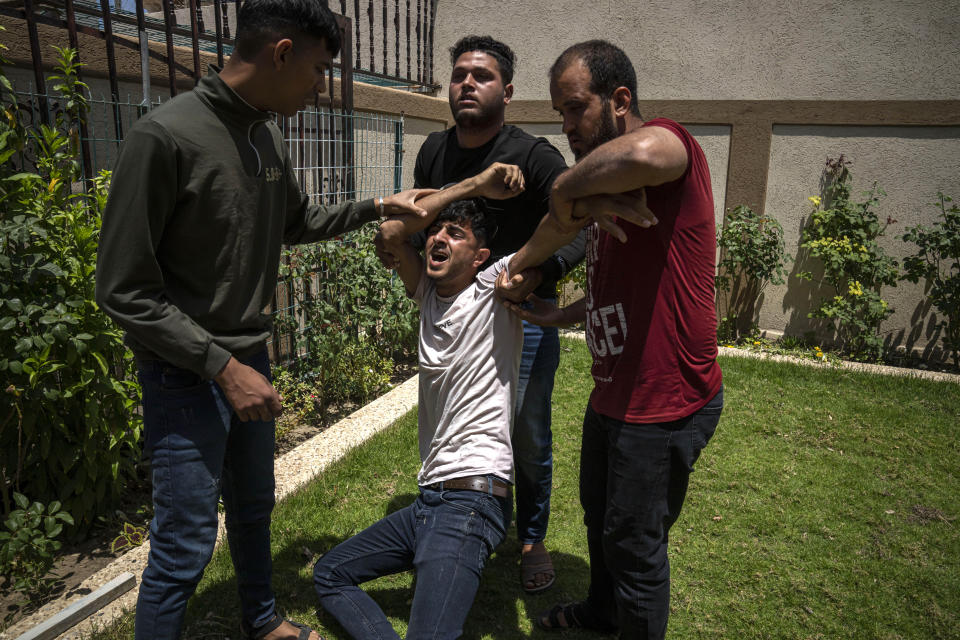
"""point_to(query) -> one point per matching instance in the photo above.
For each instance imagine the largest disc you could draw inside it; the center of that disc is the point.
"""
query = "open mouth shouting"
(439, 254)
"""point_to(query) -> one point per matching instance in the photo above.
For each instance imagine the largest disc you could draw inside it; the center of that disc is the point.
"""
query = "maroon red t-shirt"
(651, 322)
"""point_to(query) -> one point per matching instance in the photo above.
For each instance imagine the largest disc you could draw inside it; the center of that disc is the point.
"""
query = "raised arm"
(644, 157)
(551, 234)
(498, 181)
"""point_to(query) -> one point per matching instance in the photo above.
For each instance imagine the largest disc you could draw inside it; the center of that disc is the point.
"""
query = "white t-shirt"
(470, 347)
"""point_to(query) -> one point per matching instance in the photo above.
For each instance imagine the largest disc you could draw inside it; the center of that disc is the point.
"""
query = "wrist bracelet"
(380, 206)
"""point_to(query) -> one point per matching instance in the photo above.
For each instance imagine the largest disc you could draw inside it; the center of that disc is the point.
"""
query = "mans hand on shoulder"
(519, 286)
(249, 393)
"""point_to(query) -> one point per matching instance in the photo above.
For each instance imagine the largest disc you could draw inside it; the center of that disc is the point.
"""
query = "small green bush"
(28, 545)
(842, 235)
(752, 256)
(937, 261)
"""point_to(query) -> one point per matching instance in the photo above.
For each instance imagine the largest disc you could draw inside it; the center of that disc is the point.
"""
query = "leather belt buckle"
(495, 487)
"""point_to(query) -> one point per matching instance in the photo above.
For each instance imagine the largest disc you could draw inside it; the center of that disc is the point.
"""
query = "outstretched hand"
(608, 209)
(605, 209)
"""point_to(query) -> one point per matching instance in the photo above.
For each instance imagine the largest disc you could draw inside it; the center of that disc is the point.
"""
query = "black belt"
(496, 487)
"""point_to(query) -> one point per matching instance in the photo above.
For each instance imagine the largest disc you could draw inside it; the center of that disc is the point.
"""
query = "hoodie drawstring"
(253, 146)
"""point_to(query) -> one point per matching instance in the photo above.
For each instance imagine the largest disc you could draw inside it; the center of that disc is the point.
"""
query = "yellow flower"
(756, 342)
(815, 200)
(855, 288)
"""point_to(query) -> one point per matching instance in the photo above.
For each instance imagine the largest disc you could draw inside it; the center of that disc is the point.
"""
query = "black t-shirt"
(441, 161)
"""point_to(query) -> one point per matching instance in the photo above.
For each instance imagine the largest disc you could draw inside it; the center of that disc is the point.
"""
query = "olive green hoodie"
(203, 197)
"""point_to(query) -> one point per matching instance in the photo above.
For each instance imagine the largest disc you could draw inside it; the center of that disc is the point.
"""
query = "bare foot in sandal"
(287, 631)
(536, 568)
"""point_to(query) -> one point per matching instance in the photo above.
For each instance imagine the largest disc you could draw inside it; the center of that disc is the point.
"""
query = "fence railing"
(393, 41)
(385, 42)
(336, 156)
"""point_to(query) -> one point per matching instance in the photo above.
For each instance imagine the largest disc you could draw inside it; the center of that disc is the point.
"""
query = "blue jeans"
(532, 438)
(633, 481)
(200, 450)
(445, 536)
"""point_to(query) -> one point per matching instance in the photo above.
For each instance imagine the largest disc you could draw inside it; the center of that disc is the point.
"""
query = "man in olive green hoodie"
(203, 196)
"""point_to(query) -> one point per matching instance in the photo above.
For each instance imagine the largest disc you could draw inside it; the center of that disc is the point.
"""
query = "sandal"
(575, 616)
(261, 632)
(535, 561)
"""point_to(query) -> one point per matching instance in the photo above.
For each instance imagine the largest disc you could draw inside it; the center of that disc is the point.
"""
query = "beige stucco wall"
(910, 163)
(415, 131)
(732, 49)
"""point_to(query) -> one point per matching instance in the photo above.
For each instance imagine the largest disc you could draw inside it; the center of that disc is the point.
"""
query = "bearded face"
(604, 130)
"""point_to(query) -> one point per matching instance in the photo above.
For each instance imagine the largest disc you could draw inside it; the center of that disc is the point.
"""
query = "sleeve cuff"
(367, 210)
(216, 360)
(552, 269)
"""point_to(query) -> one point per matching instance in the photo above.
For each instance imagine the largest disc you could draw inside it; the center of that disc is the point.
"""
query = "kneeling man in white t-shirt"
(469, 360)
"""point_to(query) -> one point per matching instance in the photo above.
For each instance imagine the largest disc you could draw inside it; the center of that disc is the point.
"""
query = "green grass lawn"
(825, 507)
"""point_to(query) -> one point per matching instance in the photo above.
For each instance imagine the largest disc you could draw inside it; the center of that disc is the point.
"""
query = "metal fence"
(336, 156)
(376, 49)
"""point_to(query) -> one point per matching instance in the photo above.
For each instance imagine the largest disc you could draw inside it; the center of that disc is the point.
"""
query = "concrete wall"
(731, 49)
(911, 164)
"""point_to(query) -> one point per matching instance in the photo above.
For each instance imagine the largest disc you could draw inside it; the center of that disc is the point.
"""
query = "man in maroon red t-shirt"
(651, 328)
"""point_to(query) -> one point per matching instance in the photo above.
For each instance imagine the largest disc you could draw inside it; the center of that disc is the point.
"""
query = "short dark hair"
(473, 212)
(493, 48)
(259, 21)
(609, 68)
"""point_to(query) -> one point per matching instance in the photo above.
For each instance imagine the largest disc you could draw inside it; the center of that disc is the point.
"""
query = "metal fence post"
(398, 155)
(144, 57)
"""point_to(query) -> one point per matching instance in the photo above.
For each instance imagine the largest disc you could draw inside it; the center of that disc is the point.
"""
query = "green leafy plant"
(349, 320)
(299, 397)
(842, 235)
(69, 423)
(132, 535)
(752, 256)
(937, 261)
(28, 545)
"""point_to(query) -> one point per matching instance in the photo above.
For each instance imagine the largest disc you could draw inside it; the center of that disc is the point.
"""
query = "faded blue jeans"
(532, 437)
(445, 536)
(633, 481)
(200, 450)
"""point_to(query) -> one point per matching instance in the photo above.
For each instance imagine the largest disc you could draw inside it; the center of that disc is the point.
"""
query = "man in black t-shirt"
(480, 89)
